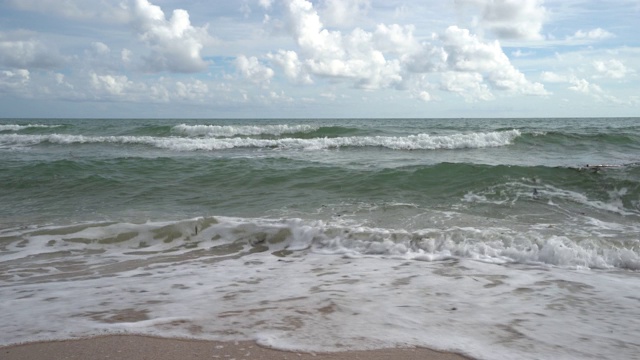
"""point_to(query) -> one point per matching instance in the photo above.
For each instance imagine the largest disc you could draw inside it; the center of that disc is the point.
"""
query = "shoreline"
(139, 347)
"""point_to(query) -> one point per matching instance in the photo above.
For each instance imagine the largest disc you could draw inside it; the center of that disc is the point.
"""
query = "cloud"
(21, 50)
(175, 44)
(424, 96)
(395, 39)
(343, 13)
(391, 57)
(290, 63)
(515, 19)
(331, 54)
(100, 58)
(274, 97)
(110, 84)
(591, 35)
(309, 33)
(125, 55)
(613, 69)
(122, 88)
(549, 76)
(583, 86)
(467, 53)
(428, 59)
(510, 19)
(106, 11)
(266, 4)
(519, 53)
(245, 9)
(594, 90)
(329, 95)
(576, 84)
(60, 80)
(252, 69)
(604, 69)
(100, 48)
(192, 91)
(468, 85)
(14, 81)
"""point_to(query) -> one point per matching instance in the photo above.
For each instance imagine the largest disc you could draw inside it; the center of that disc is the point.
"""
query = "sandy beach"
(137, 347)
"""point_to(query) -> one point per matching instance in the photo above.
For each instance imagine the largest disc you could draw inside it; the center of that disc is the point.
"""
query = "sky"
(319, 59)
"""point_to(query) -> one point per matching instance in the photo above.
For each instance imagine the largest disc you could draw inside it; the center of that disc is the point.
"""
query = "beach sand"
(137, 347)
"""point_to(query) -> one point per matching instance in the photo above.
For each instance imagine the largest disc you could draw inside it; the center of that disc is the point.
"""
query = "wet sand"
(135, 347)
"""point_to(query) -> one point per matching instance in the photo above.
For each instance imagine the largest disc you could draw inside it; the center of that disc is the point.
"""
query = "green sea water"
(63, 170)
(496, 238)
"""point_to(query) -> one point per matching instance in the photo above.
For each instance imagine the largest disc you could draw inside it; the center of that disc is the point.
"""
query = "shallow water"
(490, 237)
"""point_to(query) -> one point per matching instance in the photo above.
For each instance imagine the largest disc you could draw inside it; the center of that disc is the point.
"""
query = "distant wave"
(16, 127)
(411, 142)
(571, 138)
(246, 130)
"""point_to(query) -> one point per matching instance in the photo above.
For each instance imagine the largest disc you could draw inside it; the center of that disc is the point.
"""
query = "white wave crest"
(489, 245)
(16, 127)
(247, 130)
(411, 142)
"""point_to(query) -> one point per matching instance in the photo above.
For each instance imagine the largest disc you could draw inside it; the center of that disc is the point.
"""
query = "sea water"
(495, 238)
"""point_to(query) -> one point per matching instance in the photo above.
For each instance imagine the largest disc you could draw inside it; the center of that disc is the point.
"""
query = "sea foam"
(495, 245)
(411, 142)
(242, 130)
(17, 127)
(280, 283)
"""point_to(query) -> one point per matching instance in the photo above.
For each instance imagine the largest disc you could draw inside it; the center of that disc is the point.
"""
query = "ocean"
(494, 238)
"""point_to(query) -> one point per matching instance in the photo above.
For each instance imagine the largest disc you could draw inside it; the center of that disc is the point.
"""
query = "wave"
(17, 127)
(625, 138)
(244, 130)
(236, 237)
(499, 190)
(411, 142)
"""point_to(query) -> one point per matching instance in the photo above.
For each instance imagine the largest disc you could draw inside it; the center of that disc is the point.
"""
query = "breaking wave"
(17, 127)
(231, 131)
(226, 236)
(411, 142)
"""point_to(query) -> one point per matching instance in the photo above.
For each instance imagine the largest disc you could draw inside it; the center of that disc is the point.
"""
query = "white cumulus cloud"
(175, 44)
(391, 57)
(331, 54)
(113, 85)
(395, 39)
(424, 96)
(613, 69)
(467, 53)
(469, 85)
(291, 66)
(252, 69)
